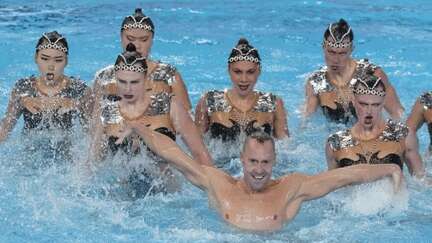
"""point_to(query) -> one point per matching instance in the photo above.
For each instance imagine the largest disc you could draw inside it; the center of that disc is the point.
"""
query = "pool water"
(49, 201)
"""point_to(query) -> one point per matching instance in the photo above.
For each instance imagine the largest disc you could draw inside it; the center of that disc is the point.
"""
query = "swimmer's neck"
(368, 133)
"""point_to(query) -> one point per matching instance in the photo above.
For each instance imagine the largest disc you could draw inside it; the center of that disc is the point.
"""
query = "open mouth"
(243, 87)
(258, 177)
(128, 97)
(50, 76)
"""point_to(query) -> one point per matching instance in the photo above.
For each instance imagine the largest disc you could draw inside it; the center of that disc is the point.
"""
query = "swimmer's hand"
(397, 178)
(34, 105)
(124, 132)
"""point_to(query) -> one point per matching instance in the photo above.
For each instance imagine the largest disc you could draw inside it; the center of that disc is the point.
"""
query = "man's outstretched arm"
(170, 151)
(319, 185)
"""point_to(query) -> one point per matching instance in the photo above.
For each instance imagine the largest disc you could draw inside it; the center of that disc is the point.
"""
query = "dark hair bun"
(130, 47)
(138, 11)
(243, 41)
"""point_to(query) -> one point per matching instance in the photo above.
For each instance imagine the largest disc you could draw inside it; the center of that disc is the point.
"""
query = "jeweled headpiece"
(337, 43)
(128, 64)
(369, 87)
(137, 24)
(52, 45)
(244, 52)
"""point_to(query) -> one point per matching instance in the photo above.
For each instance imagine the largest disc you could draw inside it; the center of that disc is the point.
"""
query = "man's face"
(142, 39)
(337, 59)
(258, 160)
(244, 76)
(368, 109)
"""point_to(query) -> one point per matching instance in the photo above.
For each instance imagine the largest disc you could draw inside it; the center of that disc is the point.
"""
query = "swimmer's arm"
(416, 118)
(13, 112)
(171, 152)
(180, 91)
(97, 141)
(97, 96)
(280, 124)
(312, 101)
(189, 132)
(391, 103)
(317, 186)
(412, 156)
(331, 160)
(201, 116)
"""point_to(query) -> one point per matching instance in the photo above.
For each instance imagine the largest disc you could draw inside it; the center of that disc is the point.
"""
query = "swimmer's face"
(244, 76)
(51, 64)
(258, 160)
(368, 109)
(142, 39)
(337, 58)
(130, 85)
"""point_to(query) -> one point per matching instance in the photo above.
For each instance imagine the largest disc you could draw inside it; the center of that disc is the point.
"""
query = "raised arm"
(319, 185)
(416, 117)
(189, 132)
(412, 156)
(312, 101)
(13, 112)
(180, 91)
(170, 151)
(280, 123)
(201, 116)
(392, 103)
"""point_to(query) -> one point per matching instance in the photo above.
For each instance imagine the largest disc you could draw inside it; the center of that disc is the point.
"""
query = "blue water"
(61, 203)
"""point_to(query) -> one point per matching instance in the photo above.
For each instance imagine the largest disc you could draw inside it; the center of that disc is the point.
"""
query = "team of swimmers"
(139, 105)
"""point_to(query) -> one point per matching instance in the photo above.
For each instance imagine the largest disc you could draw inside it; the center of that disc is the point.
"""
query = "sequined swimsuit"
(162, 78)
(426, 101)
(159, 106)
(26, 88)
(219, 105)
(387, 148)
(327, 93)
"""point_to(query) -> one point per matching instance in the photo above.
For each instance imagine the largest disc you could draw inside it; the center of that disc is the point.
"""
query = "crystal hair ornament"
(52, 45)
(369, 90)
(130, 66)
(243, 56)
(137, 24)
(335, 43)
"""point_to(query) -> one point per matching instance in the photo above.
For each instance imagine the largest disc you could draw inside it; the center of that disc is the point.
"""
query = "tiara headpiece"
(369, 90)
(137, 24)
(52, 45)
(243, 55)
(130, 65)
(335, 43)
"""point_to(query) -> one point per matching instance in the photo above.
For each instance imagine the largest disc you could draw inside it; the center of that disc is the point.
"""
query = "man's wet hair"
(261, 137)
(339, 29)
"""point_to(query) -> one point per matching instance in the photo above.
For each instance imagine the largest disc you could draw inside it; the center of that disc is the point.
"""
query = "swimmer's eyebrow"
(44, 55)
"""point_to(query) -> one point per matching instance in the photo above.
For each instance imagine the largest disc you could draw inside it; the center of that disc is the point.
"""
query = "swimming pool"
(60, 203)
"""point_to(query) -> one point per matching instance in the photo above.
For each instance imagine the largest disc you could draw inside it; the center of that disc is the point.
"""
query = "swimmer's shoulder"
(104, 74)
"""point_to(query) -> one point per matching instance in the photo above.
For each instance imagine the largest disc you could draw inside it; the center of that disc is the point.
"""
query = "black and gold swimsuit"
(426, 101)
(227, 122)
(336, 104)
(42, 120)
(388, 148)
(158, 110)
